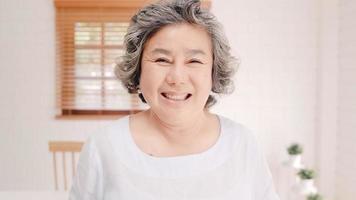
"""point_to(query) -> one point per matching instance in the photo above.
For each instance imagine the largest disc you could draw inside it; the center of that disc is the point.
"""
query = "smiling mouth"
(176, 97)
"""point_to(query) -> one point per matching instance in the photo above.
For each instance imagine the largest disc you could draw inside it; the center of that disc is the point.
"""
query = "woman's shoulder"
(108, 142)
(112, 128)
(238, 131)
(110, 134)
(233, 127)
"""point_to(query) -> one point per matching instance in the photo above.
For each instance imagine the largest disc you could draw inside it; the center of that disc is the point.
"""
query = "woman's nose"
(177, 74)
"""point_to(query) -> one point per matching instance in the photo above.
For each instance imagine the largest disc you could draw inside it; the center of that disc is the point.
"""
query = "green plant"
(306, 174)
(314, 197)
(295, 149)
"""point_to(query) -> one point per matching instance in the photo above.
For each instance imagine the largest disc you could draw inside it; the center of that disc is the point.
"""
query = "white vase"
(296, 161)
(307, 186)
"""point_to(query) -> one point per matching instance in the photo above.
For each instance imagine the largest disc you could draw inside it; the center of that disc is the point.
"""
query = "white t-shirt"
(112, 167)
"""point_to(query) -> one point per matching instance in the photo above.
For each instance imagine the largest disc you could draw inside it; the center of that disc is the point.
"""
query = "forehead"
(187, 38)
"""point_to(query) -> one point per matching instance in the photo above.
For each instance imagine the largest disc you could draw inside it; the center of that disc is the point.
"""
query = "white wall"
(346, 151)
(27, 85)
(327, 96)
(276, 86)
(277, 82)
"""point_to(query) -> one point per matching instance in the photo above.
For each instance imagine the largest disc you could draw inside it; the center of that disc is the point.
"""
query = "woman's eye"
(196, 61)
(161, 60)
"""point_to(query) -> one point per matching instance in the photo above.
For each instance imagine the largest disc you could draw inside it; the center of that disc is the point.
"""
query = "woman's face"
(176, 71)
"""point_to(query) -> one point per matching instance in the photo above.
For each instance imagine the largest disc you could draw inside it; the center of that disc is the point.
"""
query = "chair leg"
(64, 171)
(55, 170)
(73, 164)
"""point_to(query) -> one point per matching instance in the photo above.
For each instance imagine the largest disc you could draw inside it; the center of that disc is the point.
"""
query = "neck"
(179, 132)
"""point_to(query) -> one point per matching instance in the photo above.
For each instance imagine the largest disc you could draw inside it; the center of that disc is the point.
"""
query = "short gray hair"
(150, 19)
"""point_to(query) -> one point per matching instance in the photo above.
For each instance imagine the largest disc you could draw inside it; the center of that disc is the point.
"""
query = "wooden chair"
(64, 147)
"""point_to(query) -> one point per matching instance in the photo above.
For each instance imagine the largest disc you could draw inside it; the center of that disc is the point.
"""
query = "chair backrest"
(64, 148)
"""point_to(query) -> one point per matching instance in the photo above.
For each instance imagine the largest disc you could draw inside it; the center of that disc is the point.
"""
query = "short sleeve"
(88, 181)
(263, 187)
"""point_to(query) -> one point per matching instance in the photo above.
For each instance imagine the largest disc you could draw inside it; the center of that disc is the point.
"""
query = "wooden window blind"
(89, 39)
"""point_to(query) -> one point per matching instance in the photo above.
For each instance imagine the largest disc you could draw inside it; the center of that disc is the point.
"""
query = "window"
(96, 47)
(89, 41)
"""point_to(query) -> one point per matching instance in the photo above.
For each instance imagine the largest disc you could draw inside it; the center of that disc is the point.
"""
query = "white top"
(33, 195)
(112, 167)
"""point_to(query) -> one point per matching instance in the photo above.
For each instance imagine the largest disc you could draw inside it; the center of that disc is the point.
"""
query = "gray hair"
(151, 19)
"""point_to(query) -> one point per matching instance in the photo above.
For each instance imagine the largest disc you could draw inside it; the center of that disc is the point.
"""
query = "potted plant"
(295, 151)
(314, 197)
(307, 181)
(306, 174)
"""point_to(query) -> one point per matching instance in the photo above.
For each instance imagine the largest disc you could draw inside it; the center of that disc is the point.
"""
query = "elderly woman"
(177, 58)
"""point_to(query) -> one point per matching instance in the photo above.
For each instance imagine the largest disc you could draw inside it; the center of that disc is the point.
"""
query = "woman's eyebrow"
(189, 52)
(160, 50)
(192, 52)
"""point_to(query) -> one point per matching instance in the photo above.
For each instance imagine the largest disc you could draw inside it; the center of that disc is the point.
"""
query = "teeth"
(176, 97)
